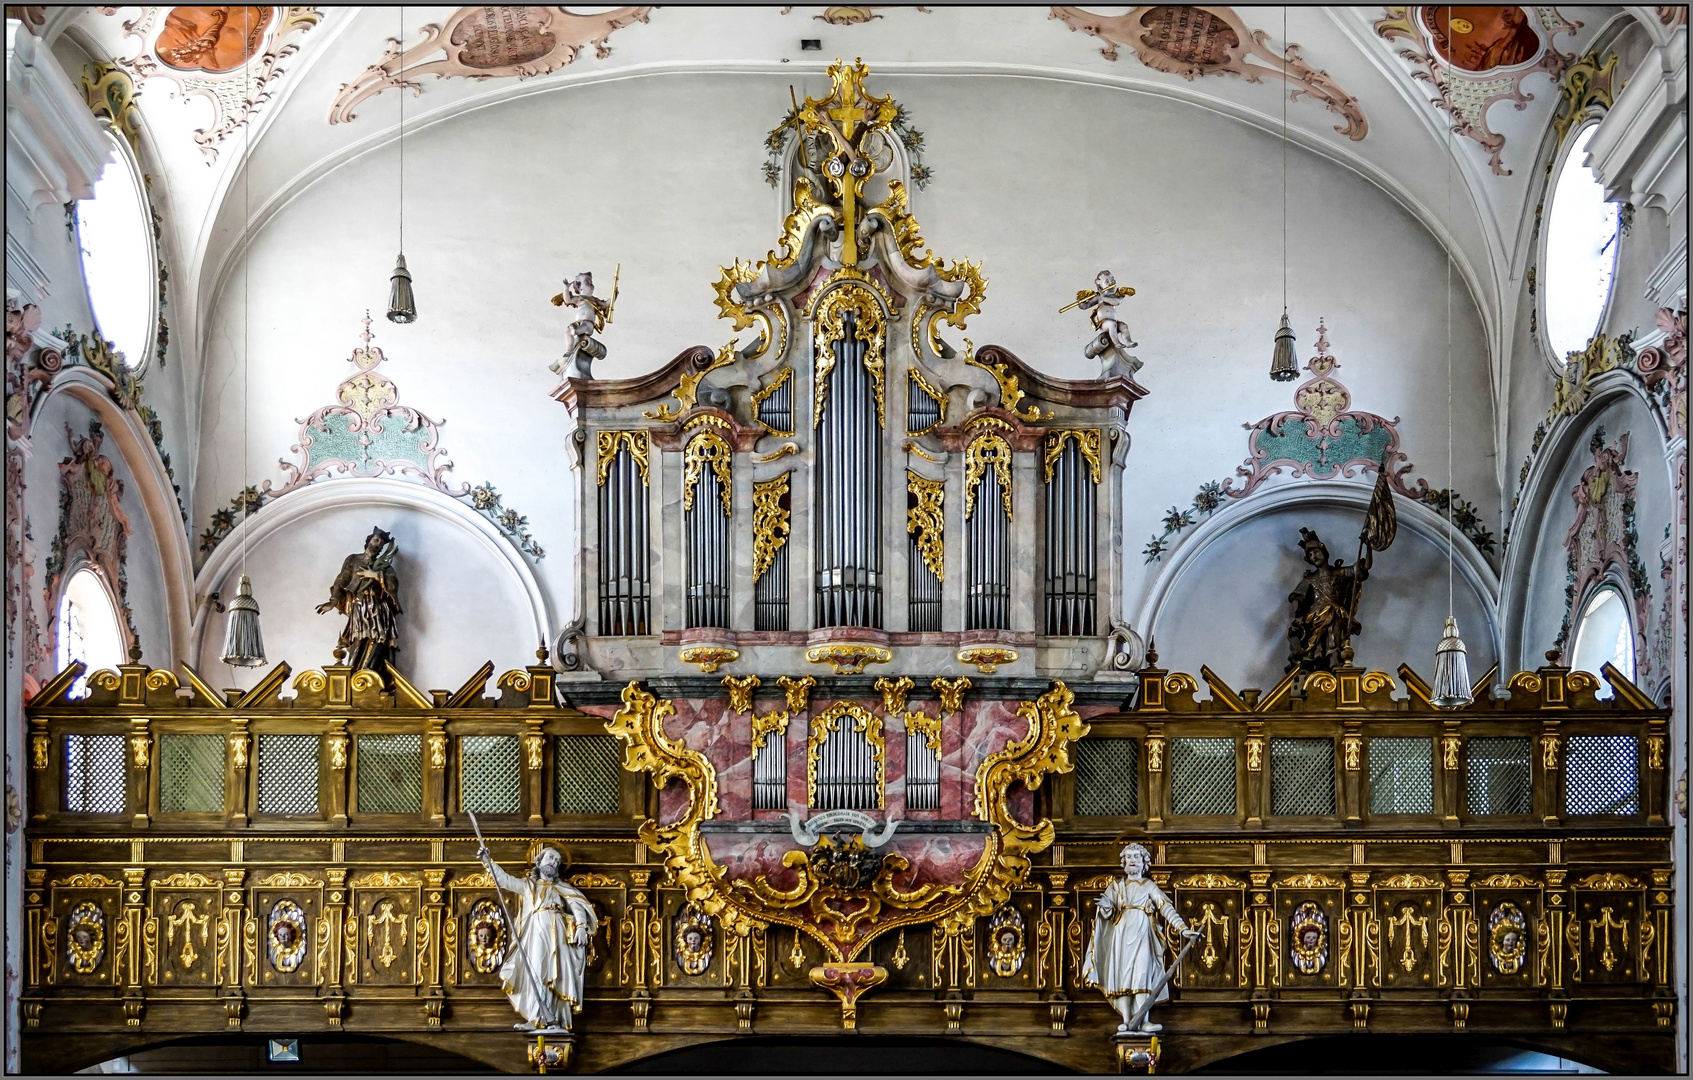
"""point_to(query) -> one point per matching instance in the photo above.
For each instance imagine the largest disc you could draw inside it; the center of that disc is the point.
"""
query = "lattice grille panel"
(191, 774)
(1108, 777)
(1202, 776)
(585, 774)
(490, 774)
(390, 774)
(1497, 775)
(94, 774)
(288, 767)
(1401, 776)
(1601, 774)
(1301, 776)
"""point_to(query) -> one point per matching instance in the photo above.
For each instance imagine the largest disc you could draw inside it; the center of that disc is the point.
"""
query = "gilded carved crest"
(85, 937)
(1308, 935)
(485, 937)
(1007, 945)
(693, 939)
(1507, 938)
(286, 937)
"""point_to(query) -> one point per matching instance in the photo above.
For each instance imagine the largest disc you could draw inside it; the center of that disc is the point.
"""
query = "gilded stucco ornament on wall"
(843, 916)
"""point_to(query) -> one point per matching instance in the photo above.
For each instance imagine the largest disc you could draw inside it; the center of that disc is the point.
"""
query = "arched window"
(89, 628)
(1604, 636)
(1581, 253)
(115, 234)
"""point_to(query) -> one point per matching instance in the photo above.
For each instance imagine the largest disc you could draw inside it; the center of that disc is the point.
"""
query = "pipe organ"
(881, 774)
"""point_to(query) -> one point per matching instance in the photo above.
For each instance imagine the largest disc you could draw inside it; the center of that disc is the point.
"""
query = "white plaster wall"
(661, 173)
(461, 605)
(1229, 608)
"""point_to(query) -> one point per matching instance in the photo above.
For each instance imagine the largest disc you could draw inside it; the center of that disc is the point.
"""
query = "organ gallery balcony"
(299, 858)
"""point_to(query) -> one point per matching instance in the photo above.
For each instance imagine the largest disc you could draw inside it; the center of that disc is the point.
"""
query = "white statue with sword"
(1123, 960)
(543, 973)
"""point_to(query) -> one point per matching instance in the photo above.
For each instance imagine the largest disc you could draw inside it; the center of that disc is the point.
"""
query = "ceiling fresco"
(1376, 90)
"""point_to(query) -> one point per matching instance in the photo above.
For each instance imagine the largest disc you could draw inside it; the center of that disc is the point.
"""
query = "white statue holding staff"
(1124, 958)
(543, 975)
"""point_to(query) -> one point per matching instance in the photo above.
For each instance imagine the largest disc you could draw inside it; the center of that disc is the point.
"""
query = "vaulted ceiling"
(1455, 132)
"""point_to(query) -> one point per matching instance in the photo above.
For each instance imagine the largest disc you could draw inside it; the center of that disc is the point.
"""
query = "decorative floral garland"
(912, 139)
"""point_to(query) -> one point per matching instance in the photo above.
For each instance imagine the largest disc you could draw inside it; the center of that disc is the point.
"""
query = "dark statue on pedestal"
(367, 591)
(1323, 603)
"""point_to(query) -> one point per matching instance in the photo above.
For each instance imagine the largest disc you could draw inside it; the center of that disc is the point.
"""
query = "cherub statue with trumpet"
(1100, 302)
(589, 316)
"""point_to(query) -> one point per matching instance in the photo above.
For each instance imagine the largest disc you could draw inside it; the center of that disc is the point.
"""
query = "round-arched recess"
(1405, 1055)
(251, 1052)
(862, 1055)
(88, 625)
(1604, 634)
(114, 231)
(1579, 255)
(466, 595)
(1222, 597)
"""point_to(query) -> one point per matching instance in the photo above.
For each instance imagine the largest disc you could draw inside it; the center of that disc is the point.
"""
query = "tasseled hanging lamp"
(243, 644)
(1283, 366)
(402, 305)
(1451, 688)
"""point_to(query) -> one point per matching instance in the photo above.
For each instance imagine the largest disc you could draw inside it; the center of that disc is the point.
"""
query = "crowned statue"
(367, 591)
(1125, 958)
(544, 973)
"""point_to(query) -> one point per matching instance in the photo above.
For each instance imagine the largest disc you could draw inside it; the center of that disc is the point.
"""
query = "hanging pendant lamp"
(243, 644)
(402, 305)
(1283, 366)
(1451, 689)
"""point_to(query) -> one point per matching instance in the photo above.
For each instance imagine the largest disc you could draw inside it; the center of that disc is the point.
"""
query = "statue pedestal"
(1136, 1053)
(551, 1051)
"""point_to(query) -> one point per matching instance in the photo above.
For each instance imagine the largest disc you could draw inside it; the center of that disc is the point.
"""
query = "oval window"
(1581, 254)
(1604, 636)
(115, 234)
(89, 629)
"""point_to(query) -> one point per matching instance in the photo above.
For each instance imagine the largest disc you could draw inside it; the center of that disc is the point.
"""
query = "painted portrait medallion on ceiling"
(1482, 37)
(212, 39)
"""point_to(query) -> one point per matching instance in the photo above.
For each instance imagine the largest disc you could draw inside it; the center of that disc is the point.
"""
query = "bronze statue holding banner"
(1325, 602)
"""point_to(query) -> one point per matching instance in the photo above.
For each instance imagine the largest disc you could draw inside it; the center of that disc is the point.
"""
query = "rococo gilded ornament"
(845, 922)
(85, 937)
(1308, 931)
(286, 938)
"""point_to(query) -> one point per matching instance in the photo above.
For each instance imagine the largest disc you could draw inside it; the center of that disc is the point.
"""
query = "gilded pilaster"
(134, 921)
(534, 759)
(240, 747)
(1157, 776)
(140, 770)
(1548, 773)
(334, 923)
(1450, 773)
(335, 744)
(429, 961)
(231, 935)
(1257, 776)
(1352, 773)
(435, 770)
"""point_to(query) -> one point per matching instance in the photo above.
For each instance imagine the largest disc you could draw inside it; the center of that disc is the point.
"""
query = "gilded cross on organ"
(839, 116)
